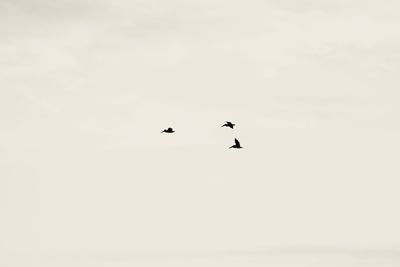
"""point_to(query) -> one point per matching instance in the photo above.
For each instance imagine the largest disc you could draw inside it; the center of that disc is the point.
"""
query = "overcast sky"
(87, 86)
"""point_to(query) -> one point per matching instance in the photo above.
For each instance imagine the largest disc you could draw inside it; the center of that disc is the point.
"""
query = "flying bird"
(228, 124)
(236, 145)
(169, 130)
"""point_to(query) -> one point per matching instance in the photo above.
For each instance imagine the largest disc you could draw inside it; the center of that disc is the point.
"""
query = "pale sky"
(87, 86)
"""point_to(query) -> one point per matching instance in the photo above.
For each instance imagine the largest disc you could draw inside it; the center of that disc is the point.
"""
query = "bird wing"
(237, 142)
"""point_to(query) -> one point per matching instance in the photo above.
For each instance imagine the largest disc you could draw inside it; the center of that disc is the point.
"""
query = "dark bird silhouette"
(236, 145)
(228, 124)
(169, 130)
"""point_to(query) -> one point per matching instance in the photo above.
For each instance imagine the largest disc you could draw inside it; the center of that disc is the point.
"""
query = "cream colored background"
(87, 86)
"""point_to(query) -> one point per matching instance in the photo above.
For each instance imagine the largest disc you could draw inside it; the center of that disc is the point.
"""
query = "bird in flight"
(236, 145)
(169, 130)
(228, 124)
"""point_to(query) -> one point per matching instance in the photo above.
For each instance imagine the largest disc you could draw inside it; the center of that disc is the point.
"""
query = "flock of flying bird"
(227, 124)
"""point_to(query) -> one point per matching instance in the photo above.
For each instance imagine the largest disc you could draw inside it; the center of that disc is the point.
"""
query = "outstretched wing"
(237, 143)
